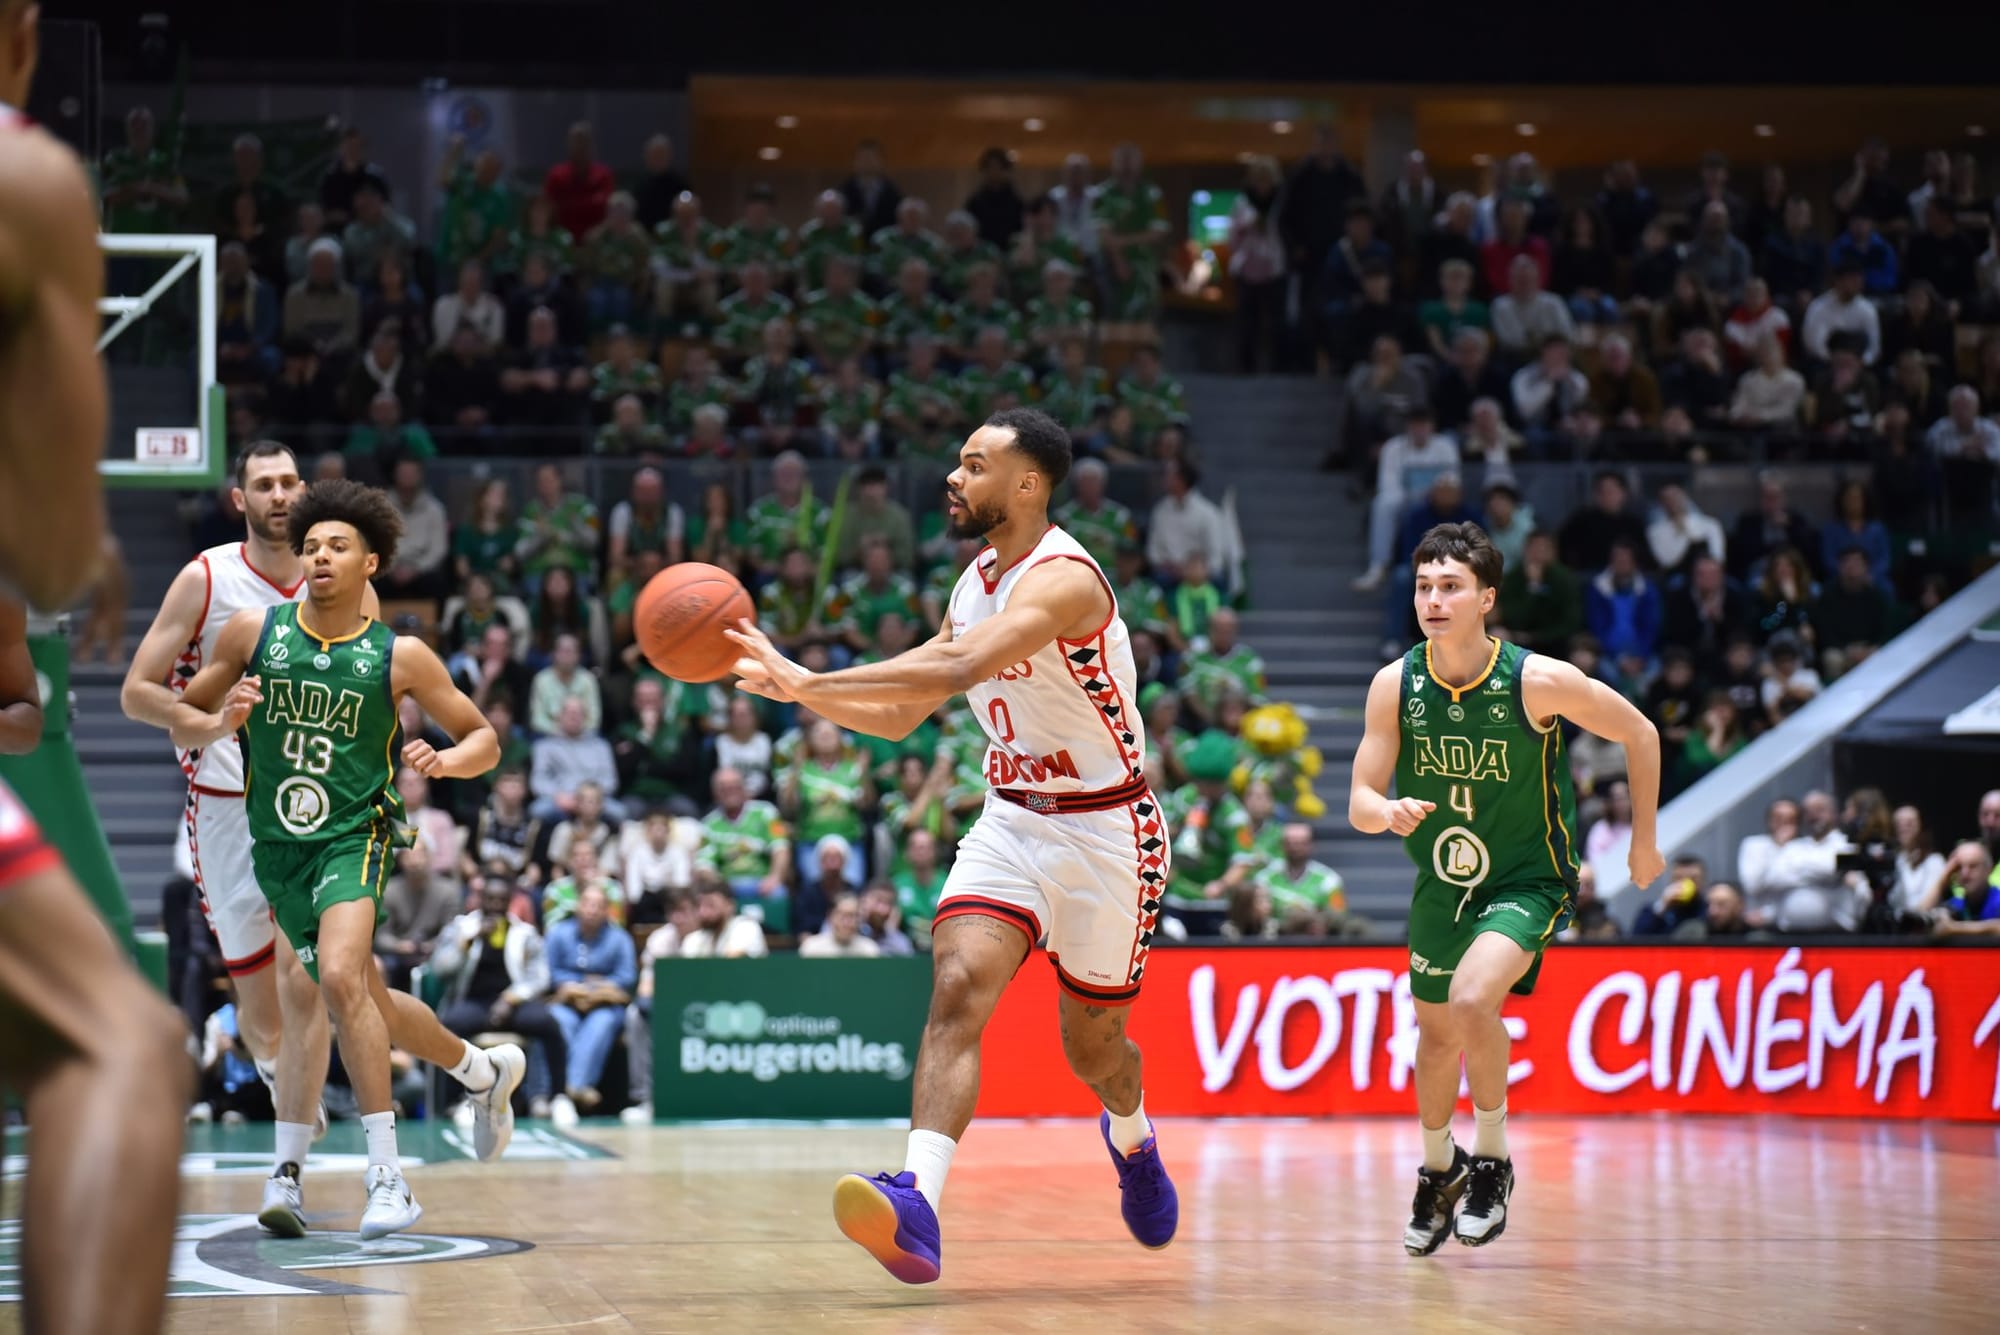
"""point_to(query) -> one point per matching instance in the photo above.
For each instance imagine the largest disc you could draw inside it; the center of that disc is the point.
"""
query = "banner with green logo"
(786, 1037)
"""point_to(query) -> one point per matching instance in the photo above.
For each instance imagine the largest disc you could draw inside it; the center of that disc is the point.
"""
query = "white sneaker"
(562, 1112)
(391, 1207)
(284, 1211)
(1369, 580)
(234, 1118)
(200, 1114)
(493, 1107)
(639, 1114)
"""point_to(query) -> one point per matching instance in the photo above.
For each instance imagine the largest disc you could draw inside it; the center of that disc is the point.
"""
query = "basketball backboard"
(168, 417)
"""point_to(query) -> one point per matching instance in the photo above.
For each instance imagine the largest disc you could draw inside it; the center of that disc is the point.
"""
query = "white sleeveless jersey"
(1067, 719)
(233, 585)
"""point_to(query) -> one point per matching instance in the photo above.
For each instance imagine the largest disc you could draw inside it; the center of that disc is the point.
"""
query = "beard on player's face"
(973, 521)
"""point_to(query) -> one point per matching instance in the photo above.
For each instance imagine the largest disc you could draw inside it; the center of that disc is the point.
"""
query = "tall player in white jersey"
(1070, 852)
(282, 1017)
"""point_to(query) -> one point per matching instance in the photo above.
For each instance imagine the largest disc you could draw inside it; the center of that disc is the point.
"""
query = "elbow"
(961, 670)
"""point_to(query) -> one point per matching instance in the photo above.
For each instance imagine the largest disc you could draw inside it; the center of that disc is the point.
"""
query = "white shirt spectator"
(1521, 328)
(751, 759)
(603, 840)
(1766, 399)
(1755, 858)
(426, 540)
(1828, 315)
(1534, 388)
(548, 693)
(1914, 881)
(650, 870)
(1745, 335)
(1408, 469)
(822, 946)
(486, 316)
(1813, 894)
(740, 938)
(1803, 678)
(562, 764)
(1671, 540)
(1189, 526)
(1981, 440)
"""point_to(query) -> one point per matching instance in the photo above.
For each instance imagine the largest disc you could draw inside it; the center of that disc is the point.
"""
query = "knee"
(1472, 1004)
(954, 996)
(344, 985)
(1092, 1058)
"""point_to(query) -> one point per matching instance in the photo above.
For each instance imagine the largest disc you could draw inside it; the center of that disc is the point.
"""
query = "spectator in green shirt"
(922, 407)
(1040, 241)
(745, 842)
(1454, 309)
(1131, 218)
(1541, 599)
(617, 261)
(850, 410)
(539, 234)
(831, 233)
(659, 747)
(1210, 822)
(745, 313)
(912, 311)
(377, 230)
(484, 541)
(758, 238)
(697, 386)
(623, 371)
(918, 882)
(247, 166)
(385, 438)
(480, 208)
(880, 588)
(910, 239)
(873, 516)
(1307, 897)
(1155, 398)
(790, 611)
(1219, 666)
(716, 534)
(558, 528)
(1056, 315)
(1195, 601)
(778, 386)
(838, 321)
(687, 276)
(992, 382)
(1077, 394)
(142, 191)
(1141, 603)
(982, 307)
(827, 790)
(963, 251)
(785, 517)
(1101, 524)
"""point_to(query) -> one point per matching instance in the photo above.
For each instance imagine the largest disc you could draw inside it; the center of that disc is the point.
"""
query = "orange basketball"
(680, 617)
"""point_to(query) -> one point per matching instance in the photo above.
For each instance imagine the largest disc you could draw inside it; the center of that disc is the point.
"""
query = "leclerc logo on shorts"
(740, 1038)
(1510, 907)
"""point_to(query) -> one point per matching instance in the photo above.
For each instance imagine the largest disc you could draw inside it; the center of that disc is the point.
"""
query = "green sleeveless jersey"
(1506, 812)
(319, 754)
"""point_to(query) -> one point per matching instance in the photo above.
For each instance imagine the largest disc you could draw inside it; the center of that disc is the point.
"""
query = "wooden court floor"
(1617, 1225)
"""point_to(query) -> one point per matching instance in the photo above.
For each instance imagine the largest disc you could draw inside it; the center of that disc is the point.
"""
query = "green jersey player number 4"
(312, 690)
(1467, 729)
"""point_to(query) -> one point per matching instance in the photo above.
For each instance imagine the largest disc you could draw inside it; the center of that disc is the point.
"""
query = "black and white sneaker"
(1484, 1215)
(1437, 1196)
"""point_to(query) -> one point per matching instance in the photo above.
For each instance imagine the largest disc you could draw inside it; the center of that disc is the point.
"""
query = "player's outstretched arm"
(1051, 599)
(1370, 809)
(1551, 688)
(418, 672)
(764, 670)
(145, 696)
(52, 398)
(20, 693)
(220, 697)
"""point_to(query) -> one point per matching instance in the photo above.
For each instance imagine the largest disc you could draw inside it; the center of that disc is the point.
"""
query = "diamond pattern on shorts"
(1150, 838)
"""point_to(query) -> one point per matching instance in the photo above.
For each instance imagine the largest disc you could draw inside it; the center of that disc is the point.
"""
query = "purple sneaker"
(888, 1215)
(1151, 1206)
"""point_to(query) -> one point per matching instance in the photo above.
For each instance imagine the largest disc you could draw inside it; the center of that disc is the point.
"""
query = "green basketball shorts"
(1528, 915)
(303, 880)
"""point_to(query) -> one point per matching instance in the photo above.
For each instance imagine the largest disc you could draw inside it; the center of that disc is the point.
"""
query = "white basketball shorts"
(218, 833)
(1085, 886)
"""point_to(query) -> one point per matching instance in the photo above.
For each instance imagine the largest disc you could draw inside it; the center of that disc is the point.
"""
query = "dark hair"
(1465, 543)
(1040, 437)
(263, 449)
(872, 475)
(1847, 266)
(339, 501)
(760, 193)
(995, 155)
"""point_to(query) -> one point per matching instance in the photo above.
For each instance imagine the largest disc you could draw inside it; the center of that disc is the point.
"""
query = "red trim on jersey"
(243, 550)
(1094, 996)
(1111, 729)
(188, 815)
(970, 906)
(262, 959)
(993, 583)
(207, 596)
(190, 760)
(1141, 919)
(206, 791)
(1111, 597)
(31, 859)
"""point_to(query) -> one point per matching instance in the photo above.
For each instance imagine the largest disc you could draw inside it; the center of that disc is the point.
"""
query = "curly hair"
(338, 500)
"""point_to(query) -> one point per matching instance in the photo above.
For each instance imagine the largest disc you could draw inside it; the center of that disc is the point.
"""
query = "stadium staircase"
(1304, 539)
(129, 767)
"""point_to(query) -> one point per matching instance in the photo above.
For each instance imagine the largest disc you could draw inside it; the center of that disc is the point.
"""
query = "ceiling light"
(1033, 125)
(788, 122)
(1976, 131)
(1526, 129)
(1763, 131)
(770, 153)
(1281, 127)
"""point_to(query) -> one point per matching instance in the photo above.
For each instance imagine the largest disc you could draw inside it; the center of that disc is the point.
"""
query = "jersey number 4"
(1461, 800)
(311, 753)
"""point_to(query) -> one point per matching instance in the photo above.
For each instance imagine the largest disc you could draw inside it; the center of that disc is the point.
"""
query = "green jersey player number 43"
(1468, 730)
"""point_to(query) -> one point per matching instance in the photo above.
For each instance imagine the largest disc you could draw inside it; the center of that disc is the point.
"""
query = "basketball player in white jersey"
(281, 1016)
(1069, 854)
(96, 1055)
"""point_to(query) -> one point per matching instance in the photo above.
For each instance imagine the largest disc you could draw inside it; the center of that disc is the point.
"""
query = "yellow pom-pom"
(1309, 806)
(1309, 760)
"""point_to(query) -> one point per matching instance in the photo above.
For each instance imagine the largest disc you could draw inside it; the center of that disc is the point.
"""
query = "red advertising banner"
(1814, 1030)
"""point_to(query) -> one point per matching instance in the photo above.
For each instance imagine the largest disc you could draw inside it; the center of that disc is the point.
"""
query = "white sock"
(1129, 1132)
(1489, 1138)
(380, 1128)
(475, 1070)
(1439, 1151)
(294, 1143)
(929, 1157)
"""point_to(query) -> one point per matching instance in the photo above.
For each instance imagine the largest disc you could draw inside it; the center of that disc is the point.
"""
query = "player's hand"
(763, 670)
(243, 697)
(420, 756)
(1407, 813)
(1645, 864)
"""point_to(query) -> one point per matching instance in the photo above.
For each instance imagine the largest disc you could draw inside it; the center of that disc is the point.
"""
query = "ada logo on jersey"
(1460, 857)
(302, 805)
